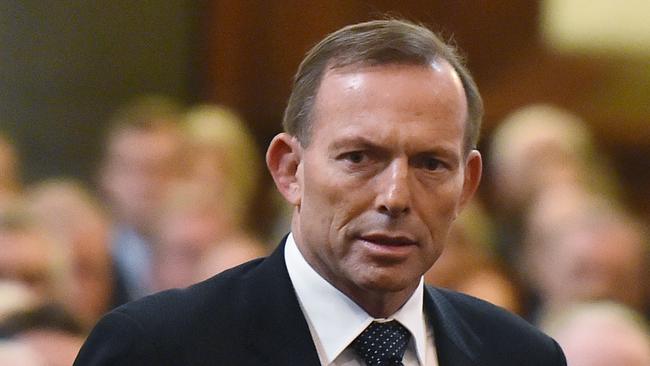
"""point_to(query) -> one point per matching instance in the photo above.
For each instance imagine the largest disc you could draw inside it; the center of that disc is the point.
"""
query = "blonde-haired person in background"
(195, 238)
(223, 155)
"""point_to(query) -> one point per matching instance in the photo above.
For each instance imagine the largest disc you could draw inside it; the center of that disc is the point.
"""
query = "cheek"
(336, 200)
(439, 208)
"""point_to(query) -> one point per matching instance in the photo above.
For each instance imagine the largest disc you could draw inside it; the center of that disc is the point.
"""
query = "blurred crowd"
(178, 188)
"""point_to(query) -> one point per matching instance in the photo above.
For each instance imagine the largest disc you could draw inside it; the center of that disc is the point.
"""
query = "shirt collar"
(335, 318)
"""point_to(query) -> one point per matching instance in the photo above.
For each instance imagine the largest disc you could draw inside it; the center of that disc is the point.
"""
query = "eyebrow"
(357, 141)
(364, 143)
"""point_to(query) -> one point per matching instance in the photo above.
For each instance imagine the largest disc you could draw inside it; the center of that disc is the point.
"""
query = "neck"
(373, 297)
(381, 304)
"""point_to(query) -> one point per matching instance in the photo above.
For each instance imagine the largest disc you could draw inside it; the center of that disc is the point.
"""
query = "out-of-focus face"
(83, 231)
(598, 261)
(185, 238)
(603, 342)
(14, 352)
(91, 273)
(25, 257)
(58, 348)
(530, 168)
(586, 254)
(140, 165)
(210, 167)
(384, 176)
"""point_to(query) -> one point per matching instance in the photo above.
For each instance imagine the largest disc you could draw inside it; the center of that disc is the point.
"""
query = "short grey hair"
(374, 43)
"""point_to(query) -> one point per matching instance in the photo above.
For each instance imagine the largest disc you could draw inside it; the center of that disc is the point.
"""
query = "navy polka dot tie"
(382, 344)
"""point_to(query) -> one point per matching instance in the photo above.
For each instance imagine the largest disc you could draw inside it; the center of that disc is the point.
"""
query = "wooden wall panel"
(254, 47)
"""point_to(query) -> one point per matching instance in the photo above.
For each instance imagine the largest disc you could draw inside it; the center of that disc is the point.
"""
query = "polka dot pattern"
(382, 344)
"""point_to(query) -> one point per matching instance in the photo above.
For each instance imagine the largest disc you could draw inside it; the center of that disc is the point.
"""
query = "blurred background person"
(9, 170)
(533, 148)
(196, 239)
(15, 353)
(223, 155)
(28, 255)
(142, 158)
(15, 296)
(205, 225)
(49, 330)
(600, 334)
(31, 257)
(70, 213)
(580, 246)
(229, 253)
(470, 264)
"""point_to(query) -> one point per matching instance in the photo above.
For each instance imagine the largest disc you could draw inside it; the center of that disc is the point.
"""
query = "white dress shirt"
(335, 320)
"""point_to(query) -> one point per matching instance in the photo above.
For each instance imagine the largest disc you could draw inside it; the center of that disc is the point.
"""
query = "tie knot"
(382, 344)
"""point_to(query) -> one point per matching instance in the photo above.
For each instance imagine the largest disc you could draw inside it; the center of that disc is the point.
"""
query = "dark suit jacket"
(250, 315)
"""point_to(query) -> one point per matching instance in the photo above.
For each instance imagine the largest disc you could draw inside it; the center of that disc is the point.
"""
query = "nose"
(394, 193)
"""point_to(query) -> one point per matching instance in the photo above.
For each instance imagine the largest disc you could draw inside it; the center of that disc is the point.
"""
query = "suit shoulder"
(194, 311)
(504, 335)
(181, 326)
(117, 340)
(477, 309)
(221, 292)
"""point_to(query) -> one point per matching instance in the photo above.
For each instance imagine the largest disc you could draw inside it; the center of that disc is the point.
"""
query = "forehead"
(383, 100)
(128, 133)
(129, 141)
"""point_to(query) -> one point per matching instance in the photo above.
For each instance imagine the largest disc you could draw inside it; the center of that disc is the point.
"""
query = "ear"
(283, 159)
(473, 172)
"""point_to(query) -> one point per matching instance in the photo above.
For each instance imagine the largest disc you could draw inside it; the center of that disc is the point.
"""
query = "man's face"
(26, 257)
(186, 236)
(140, 165)
(598, 258)
(578, 248)
(384, 176)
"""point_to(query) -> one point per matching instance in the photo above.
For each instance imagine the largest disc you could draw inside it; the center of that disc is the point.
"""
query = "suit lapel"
(277, 331)
(456, 344)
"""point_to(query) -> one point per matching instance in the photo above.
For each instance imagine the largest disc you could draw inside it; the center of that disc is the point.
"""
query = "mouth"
(388, 247)
(388, 240)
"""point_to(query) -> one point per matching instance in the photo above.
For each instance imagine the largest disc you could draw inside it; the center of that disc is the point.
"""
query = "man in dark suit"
(378, 158)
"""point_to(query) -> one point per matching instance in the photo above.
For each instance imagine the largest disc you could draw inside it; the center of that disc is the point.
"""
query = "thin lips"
(384, 239)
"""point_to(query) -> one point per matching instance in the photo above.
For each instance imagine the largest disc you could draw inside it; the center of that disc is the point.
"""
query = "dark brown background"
(65, 65)
(253, 48)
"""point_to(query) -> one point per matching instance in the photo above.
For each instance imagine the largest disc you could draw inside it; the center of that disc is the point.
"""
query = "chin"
(389, 282)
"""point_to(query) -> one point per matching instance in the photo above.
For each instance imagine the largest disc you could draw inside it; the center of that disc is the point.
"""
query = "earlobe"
(473, 172)
(283, 159)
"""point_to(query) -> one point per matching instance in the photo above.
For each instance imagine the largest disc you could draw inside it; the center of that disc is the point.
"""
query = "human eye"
(429, 163)
(354, 157)
(359, 161)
